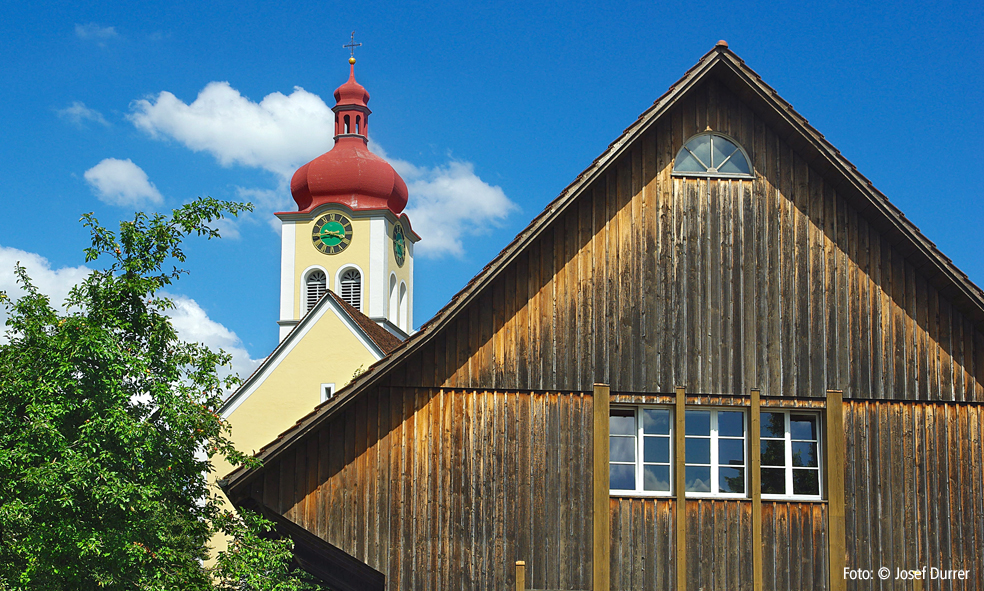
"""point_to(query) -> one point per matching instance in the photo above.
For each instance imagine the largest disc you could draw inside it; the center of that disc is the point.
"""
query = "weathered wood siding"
(794, 536)
(446, 489)
(642, 554)
(915, 489)
(476, 451)
(650, 282)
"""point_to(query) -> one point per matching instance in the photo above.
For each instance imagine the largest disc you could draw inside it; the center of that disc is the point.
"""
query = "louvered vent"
(351, 285)
(317, 285)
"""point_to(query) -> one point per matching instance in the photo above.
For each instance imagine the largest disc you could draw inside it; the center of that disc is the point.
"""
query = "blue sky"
(488, 111)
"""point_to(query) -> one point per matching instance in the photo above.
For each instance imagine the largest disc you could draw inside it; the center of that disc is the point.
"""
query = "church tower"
(349, 233)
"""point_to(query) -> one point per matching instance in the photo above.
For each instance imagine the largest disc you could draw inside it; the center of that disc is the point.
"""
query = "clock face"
(399, 244)
(332, 233)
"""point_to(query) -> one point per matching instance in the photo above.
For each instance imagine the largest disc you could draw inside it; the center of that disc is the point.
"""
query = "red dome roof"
(349, 174)
(351, 93)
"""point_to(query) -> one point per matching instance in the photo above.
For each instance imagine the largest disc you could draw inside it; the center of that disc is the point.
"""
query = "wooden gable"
(469, 447)
(647, 281)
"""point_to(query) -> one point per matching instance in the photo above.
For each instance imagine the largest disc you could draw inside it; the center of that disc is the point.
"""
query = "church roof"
(349, 173)
(383, 338)
(817, 152)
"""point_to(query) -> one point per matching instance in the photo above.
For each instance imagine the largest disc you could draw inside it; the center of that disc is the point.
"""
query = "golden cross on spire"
(351, 47)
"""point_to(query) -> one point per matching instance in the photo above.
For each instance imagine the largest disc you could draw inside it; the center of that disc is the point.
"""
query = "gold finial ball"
(352, 60)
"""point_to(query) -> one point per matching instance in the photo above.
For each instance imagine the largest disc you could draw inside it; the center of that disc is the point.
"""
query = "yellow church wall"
(329, 353)
(359, 254)
(306, 255)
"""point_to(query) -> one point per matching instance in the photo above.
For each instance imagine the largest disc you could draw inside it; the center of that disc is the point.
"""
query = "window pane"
(698, 479)
(621, 449)
(698, 422)
(701, 147)
(731, 424)
(803, 426)
(621, 477)
(806, 482)
(773, 425)
(731, 480)
(731, 451)
(736, 165)
(656, 478)
(656, 421)
(622, 422)
(805, 454)
(722, 149)
(773, 453)
(687, 163)
(773, 481)
(657, 449)
(698, 451)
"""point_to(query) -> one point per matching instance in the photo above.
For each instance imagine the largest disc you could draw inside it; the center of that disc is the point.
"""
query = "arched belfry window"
(712, 154)
(315, 286)
(393, 304)
(351, 288)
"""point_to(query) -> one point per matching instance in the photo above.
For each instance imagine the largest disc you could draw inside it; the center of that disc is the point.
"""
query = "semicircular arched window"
(712, 154)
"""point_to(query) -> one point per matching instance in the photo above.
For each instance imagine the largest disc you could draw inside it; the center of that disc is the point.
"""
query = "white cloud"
(121, 182)
(278, 134)
(448, 203)
(55, 283)
(92, 31)
(189, 319)
(193, 324)
(78, 114)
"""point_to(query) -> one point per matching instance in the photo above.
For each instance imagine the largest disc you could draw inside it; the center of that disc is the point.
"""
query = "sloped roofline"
(377, 343)
(794, 128)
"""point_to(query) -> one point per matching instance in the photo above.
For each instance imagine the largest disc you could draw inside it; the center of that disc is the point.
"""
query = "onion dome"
(351, 93)
(350, 174)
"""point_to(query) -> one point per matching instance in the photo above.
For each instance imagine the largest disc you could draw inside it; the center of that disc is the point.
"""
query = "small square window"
(327, 391)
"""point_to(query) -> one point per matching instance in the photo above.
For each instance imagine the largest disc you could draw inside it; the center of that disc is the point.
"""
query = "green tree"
(107, 424)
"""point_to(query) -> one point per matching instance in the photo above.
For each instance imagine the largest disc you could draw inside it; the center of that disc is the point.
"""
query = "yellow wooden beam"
(835, 489)
(520, 575)
(680, 488)
(599, 510)
(755, 487)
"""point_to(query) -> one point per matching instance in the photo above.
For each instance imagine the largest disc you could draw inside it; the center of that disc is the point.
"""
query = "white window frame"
(715, 464)
(788, 444)
(327, 391)
(639, 454)
(713, 173)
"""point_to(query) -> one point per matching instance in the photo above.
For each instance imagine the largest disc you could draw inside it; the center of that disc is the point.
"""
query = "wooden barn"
(719, 360)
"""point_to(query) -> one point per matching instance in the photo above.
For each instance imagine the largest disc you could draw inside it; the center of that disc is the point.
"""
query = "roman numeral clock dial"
(332, 233)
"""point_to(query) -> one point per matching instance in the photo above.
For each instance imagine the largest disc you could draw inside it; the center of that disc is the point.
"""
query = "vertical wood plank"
(680, 488)
(600, 559)
(835, 490)
(754, 446)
